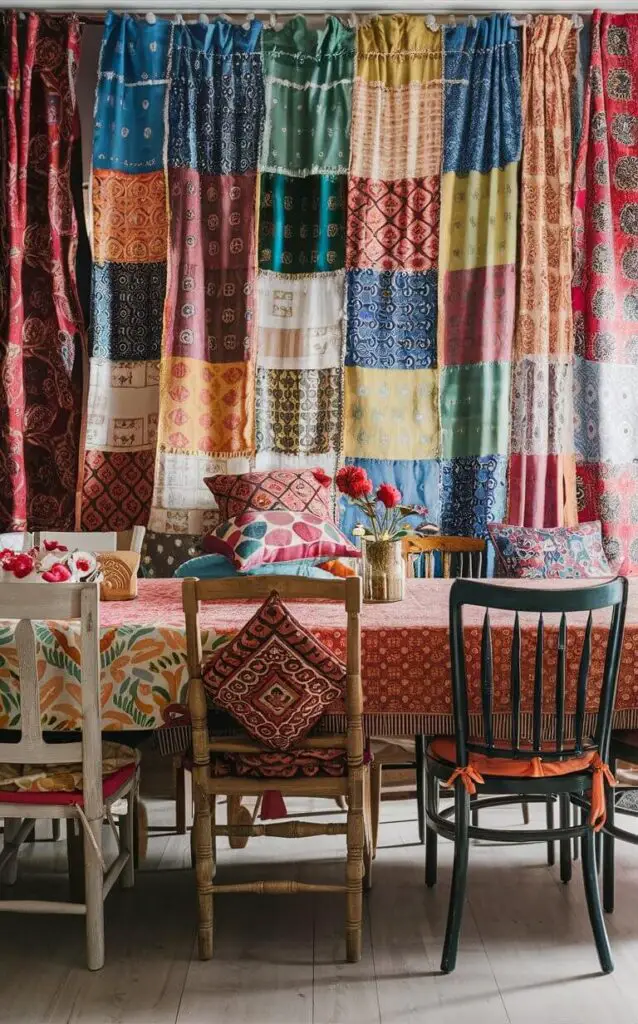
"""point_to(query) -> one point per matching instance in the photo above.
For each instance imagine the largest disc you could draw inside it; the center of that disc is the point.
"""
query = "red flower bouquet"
(383, 509)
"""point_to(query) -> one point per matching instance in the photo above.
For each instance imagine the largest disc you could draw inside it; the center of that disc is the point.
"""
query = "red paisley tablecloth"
(405, 659)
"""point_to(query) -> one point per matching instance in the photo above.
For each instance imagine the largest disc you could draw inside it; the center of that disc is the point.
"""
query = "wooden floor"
(526, 953)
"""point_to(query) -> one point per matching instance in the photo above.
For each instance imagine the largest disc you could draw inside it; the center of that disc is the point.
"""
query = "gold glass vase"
(383, 570)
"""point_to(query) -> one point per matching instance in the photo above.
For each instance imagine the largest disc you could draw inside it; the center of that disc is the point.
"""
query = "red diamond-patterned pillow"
(274, 677)
(277, 489)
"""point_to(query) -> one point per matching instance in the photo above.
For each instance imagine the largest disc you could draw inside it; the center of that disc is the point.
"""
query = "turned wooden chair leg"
(375, 803)
(355, 869)
(204, 869)
(180, 796)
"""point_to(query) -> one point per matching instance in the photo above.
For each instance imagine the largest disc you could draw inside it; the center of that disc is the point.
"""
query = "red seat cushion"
(110, 785)
(278, 765)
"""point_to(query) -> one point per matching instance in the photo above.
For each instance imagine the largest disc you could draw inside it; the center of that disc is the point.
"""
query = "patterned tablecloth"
(405, 659)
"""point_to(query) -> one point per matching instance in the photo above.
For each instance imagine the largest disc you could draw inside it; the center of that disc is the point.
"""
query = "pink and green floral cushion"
(296, 490)
(255, 538)
(274, 677)
(562, 552)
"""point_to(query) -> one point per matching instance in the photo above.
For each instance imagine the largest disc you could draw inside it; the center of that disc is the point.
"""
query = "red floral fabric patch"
(269, 491)
(274, 677)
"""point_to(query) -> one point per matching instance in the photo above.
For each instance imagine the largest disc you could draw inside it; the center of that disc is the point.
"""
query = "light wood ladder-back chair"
(30, 602)
(459, 556)
(352, 785)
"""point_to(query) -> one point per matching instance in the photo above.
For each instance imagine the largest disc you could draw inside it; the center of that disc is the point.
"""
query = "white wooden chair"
(126, 540)
(30, 602)
(16, 541)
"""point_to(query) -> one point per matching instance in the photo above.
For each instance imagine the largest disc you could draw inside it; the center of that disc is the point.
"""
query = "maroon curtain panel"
(42, 336)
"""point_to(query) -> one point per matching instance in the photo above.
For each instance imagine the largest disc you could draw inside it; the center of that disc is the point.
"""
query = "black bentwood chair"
(526, 764)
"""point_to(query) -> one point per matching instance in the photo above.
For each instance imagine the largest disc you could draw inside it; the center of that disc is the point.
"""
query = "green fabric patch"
(302, 223)
(475, 409)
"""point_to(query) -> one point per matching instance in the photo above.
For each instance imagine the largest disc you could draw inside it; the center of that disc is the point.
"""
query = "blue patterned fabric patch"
(216, 98)
(473, 494)
(128, 304)
(482, 101)
(391, 319)
(417, 481)
(129, 119)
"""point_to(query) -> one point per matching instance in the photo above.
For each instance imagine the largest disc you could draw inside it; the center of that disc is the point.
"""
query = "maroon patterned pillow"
(274, 677)
(297, 491)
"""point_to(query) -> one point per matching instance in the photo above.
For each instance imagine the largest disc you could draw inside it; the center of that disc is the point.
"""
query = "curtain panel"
(42, 335)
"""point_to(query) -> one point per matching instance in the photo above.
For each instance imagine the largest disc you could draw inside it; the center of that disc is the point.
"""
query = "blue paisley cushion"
(549, 553)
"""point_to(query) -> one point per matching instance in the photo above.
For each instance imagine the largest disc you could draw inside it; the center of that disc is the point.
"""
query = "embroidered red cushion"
(274, 677)
(298, 491)
(257, 538)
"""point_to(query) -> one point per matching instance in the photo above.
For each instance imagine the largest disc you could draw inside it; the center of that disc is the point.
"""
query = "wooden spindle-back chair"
(206, 787)
(537, 752)
(459, 556)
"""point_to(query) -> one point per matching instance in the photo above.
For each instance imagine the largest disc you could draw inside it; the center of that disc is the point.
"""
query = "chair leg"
(375, 803)
(419, 749)
(94, 898)
(549, 819)
(368, 854)
(127, 840)
(180, 796)
(459, 878)
(474, 810)
(10, 871)
(598, 851)
(75, 859)
(592, 893)
(431, 838)
(354, 867)
(55, 829)
(525, 809)
(204, 869)
(576, 842)
(565, 846)
(609, 849)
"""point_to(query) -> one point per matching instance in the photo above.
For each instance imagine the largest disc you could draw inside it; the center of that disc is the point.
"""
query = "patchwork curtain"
(605, 293)
(129, 273)
(42, 340)
(206, 415)
(391, 394)
(304, 163)
(477, 276)
(542, 482)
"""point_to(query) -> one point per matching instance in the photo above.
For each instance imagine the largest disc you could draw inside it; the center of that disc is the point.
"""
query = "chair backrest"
(258, 588)
(560, 732)
(125, 540)
(33, 602)
(459, 556)
(16, 541)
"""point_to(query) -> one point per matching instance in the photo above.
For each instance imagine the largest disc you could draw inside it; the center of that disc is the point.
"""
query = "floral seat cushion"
(62, 783)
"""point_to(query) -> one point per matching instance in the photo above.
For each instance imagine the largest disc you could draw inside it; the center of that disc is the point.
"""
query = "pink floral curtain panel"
(542, 485)
(42, 337)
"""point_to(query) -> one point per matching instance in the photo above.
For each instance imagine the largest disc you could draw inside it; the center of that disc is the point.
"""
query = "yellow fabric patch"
(391, 414)
(478, 219)
(398, 49)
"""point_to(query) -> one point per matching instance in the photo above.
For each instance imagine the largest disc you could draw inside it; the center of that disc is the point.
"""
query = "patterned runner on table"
(129, 272)
(304, 162)
(391, 386)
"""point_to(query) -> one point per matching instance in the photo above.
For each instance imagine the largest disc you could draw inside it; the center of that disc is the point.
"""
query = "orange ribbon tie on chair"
(601, 773)
(468, 776)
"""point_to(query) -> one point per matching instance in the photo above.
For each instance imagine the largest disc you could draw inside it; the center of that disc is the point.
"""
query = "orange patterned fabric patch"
(129, 217)
(206, 407)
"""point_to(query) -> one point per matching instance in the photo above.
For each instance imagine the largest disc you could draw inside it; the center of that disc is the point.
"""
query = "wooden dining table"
(405, 659)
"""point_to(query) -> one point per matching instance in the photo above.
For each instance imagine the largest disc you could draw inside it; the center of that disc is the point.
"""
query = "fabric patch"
(307, 303)
(129, 217)
(274, 677)
(417, 480)
(479, 134)
(398, 49)
(207, 408)
(270, 491)
(307, 763)
(128, 303)
(391, 415)
(605, 411)
(479, 214)
(391, 320)
(474, 409)
(184, 503)
(609, 492)
(302, 223)
(396, 132)
(216, 81)
(308, 76)
(539, 486)
(479, 304)
(123, 405)
(542, 407)
(212, 218)
(210, 314)
(129, 122)
(254, 538)
(473, 493)
(545, 554)
(297, 410)
(118, 486)
(162, 554)
(393, 225)
(317, 348)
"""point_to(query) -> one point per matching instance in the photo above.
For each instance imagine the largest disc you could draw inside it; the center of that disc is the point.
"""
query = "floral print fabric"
(547, 554)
